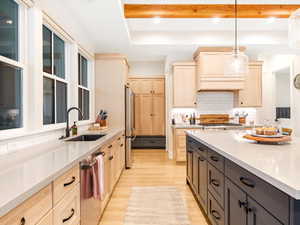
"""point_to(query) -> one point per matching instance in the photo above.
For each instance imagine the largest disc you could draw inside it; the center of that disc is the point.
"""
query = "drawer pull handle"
(214, 158)
(189, 151)
(247, 182)
(111, 158)
(215, 182)
(201, 159)
(201, 149)
(71, 182)
(119, 139)
(68, 218)
(121, 145)
(100, 153)
(23, 221)
(215, 214)
(110, 146)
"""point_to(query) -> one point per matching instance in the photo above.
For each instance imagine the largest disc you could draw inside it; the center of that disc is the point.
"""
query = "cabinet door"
(107, 173)
(251, 96)
(158, 115)
(158, 86)
(203, 182)
(195, 179)
(184, 86)
(189, 158)
(143, 114)
(257, 215)
(235, 198)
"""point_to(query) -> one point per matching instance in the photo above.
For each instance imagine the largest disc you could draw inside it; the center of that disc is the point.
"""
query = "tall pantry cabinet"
(149, 105)
(111, 74)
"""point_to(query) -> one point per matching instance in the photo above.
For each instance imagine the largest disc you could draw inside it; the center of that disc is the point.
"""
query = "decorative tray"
(273, 140)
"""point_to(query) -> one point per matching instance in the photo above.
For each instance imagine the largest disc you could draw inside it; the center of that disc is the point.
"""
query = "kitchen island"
(239, 182)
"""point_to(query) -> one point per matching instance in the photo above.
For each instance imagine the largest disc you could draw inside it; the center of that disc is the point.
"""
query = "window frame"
(20, 63)
(88, 88)
(54, 77)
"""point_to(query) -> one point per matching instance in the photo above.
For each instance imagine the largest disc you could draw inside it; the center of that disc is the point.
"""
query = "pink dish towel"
(86, 183)
(100, 165)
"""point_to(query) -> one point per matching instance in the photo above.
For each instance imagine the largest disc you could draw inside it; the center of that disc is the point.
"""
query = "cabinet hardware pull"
(216, 215)
(247, 182)
(71, 182)
(201, 159)
(245, 205)
(111, 158)
(121, 145)
(68, 218)
(119, 139)
(110, 146)
(214, 158)
(23, 221)
(189, 151)
(200, 149)
(99, 153)
(215, 182)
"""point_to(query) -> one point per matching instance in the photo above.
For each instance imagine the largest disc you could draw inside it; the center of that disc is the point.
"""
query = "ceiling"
(156, 39)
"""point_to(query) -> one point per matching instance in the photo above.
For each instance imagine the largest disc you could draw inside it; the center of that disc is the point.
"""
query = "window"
(9, 29)
(83, 87)
(11, 70)
(55, 83)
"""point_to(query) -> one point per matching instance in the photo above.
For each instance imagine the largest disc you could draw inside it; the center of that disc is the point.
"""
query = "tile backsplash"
(215, 103)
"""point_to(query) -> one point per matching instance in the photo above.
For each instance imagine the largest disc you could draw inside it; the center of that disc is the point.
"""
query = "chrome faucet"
(67, 128)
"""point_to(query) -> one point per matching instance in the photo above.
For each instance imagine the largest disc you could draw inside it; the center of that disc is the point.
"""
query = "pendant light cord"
(235, 27)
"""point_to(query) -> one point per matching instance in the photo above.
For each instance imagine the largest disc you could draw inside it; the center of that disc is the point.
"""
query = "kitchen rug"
(156, 206)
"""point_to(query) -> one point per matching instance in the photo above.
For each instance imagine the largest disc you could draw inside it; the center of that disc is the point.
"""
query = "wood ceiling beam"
(207, 11)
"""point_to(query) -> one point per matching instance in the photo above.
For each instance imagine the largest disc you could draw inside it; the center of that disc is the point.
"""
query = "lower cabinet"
(230, 195)
(235, 200)
(47, 220)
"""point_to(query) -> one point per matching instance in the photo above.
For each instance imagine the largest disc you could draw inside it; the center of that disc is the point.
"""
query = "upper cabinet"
(147, 86)
(251, 95)
(210, 67)
(184, 84)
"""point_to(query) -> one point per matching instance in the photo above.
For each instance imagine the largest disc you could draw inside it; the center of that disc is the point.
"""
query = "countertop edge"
(276, 183)
(10, 205)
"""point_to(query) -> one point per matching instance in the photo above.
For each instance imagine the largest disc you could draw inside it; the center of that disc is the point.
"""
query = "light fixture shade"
(294, 29)
(236, 64)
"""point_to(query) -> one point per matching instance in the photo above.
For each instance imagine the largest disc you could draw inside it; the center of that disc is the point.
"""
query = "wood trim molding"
(215, 49)
(188, 63)
(146, 77)
(111, 56)
(207, 10)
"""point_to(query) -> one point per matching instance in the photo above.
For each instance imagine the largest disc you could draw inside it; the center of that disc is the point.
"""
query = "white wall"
(149, 68)
(282, 89)
(295, 96)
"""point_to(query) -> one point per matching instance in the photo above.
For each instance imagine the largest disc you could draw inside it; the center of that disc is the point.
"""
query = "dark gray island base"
(230, 195)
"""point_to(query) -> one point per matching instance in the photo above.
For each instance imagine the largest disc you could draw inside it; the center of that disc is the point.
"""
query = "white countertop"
(195, 126)
(279, 165)
(25, 172)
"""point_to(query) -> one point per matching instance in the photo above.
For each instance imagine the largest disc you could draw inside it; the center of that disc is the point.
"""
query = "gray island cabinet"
(230, 195)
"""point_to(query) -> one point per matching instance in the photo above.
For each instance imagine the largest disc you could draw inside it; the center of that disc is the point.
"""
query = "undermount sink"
(87, 137)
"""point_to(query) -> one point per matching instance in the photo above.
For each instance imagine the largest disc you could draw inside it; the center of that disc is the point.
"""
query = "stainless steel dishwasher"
(90, 206)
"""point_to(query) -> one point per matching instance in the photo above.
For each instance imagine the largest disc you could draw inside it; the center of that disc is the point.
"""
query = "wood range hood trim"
(216, 80)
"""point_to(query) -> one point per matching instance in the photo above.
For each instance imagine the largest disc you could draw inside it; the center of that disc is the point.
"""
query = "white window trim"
(22, 64)
(88, 88)
(57, 78)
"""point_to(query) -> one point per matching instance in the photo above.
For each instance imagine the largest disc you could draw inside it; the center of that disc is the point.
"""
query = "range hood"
(210, 66)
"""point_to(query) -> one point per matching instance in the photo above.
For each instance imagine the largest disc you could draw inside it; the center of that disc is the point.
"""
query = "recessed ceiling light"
(216, 19)
(156, 20)
(271, 20)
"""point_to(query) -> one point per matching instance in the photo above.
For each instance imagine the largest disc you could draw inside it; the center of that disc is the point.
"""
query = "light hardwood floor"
(150, 168)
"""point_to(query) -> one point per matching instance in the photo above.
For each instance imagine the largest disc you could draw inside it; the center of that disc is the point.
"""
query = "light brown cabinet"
(179, 144)
(184, 84)
(251, 95)
(149, 105)
(47, 220)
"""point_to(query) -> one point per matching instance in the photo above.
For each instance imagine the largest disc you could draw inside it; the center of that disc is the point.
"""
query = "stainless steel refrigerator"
(129, 124)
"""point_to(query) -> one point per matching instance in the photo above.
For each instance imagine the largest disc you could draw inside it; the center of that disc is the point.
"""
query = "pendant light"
(294, 29)
(237, 61)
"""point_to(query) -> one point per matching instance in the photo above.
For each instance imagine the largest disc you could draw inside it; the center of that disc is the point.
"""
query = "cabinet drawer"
(216, 184)
(65, 183)
(47, 220)
(215, 212)
(202, 149)
(31, 211)
(216, 160)
(274, 200)
(67, 211)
